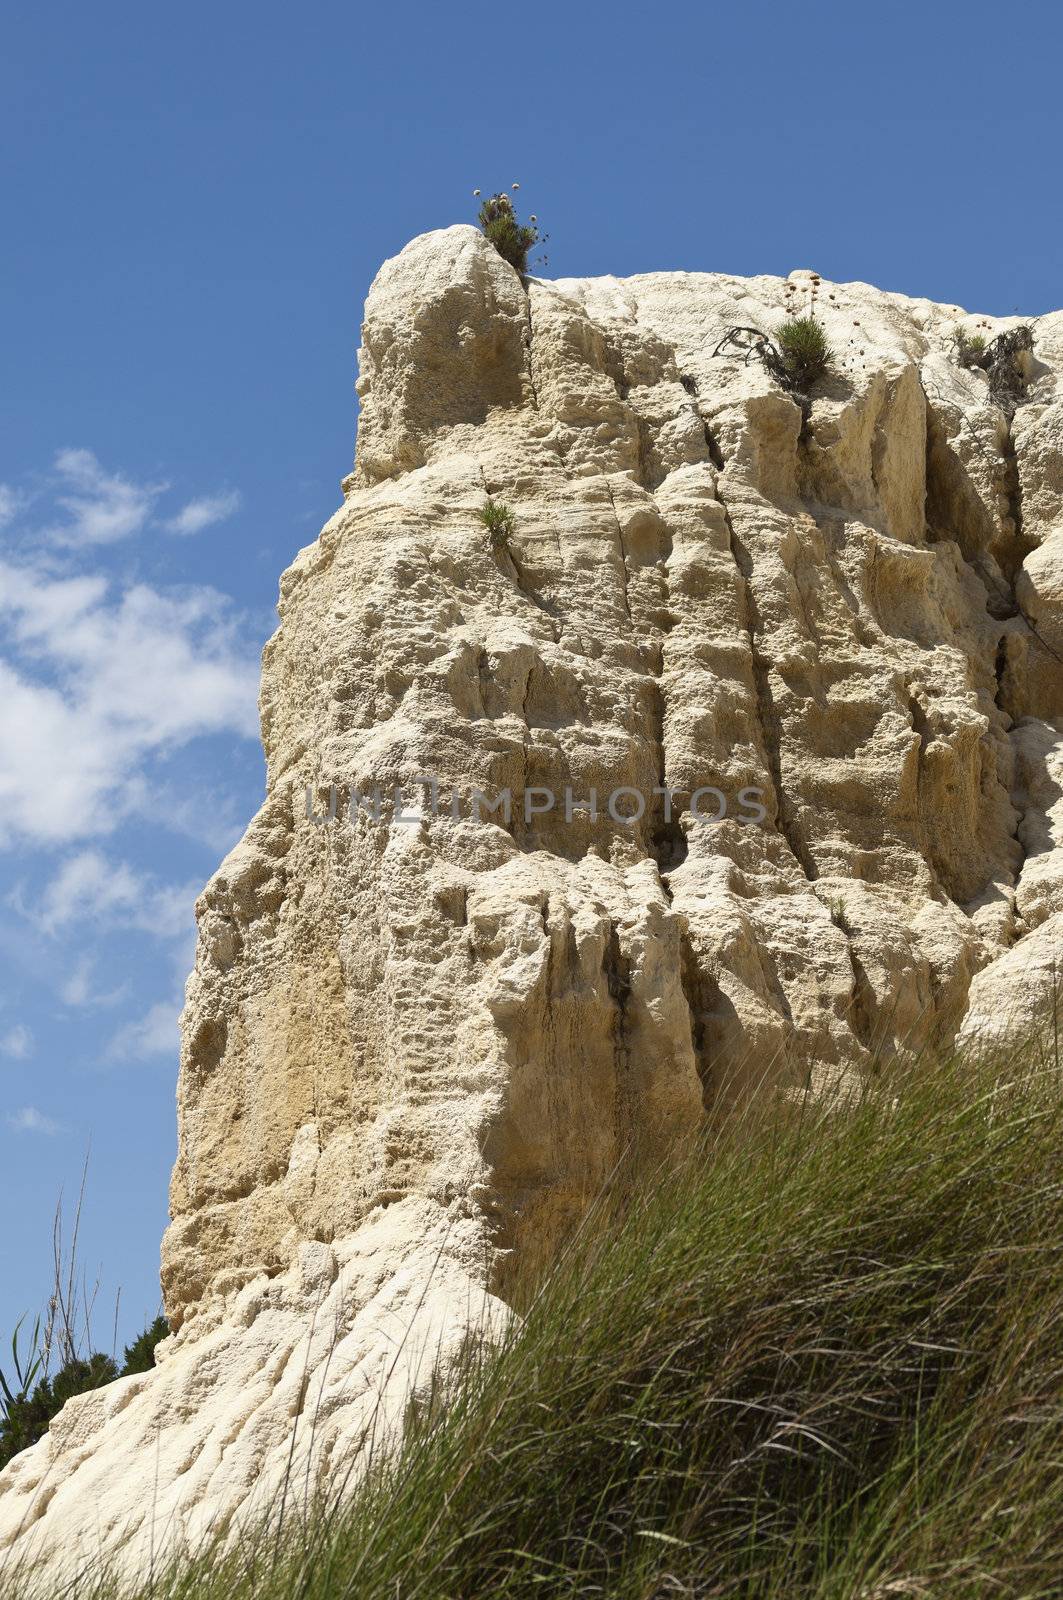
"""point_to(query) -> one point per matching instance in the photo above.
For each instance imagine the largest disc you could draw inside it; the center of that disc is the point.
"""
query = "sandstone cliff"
(413, 1049)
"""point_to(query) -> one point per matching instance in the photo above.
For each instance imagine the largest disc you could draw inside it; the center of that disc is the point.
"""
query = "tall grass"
(56, 1358)
(821, 1357)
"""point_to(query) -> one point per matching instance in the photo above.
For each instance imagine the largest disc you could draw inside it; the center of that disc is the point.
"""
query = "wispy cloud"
(27, 1119)
(154, 1034)
(204, 513)
(99, 507)
(10, 504)
(89, 695)
(79, 990)
(17, 1042)
(104, 683)
(89, 886)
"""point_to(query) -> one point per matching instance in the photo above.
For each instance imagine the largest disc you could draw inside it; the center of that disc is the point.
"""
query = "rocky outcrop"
(416, 1043)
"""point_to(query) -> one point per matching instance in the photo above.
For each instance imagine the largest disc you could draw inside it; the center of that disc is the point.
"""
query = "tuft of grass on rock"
(806, 355)
(971, 348)
(1005, 360)
(500, 523)
(510, 237)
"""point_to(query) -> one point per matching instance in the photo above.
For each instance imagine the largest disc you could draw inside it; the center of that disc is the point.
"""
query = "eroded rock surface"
(413, 1049)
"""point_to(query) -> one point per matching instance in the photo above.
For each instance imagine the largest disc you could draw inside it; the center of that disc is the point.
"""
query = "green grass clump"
(971, 348)
(819, 1359)
(512, 239)
(806, 355)
(499, 522)
(1004, 359)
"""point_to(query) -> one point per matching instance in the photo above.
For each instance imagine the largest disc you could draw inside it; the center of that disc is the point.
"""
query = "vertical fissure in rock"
(668, 842)
(1000, 670)
(861, 1008)
(701, 995)
(621, 548)
(528, 347)
(1019, 865)
(919, 723)
(1017, 549)
(953, 510)
(649, 476)
(770, 722)
(937, 869)
(917, 717)
(522, 584)
(945, 518)
(716, 455)
(617, 970)
(483, 675)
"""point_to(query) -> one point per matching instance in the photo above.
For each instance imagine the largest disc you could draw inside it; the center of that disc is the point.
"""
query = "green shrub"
(499, 522)
(970, 348)
(29, 1407)
(806, 355)
(26, 1416)
(511, 238)
(1004, 360)
(140, 1355)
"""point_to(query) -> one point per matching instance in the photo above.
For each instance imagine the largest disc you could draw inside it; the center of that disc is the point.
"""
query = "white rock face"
(413, 1049)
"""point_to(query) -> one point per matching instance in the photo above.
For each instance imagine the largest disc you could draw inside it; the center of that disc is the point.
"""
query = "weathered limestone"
(412, 1051)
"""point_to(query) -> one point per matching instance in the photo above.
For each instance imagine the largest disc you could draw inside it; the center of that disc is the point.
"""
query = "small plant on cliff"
(499, 522)
(511, 238)
(805, 352)
(1004, 360)
(970, 348)
(1007, 365)
(796, 358)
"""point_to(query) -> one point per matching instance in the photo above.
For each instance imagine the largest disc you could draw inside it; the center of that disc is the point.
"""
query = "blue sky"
(195, 200)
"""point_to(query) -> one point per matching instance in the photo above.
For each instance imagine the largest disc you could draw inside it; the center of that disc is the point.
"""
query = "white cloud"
(154, 1034)
(89, 886)
(78, 988)
(29, 1120)
(101, 507)
(112, 895)
(10, 504)
(203, 513)
(96, 684)
(17, 1042)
